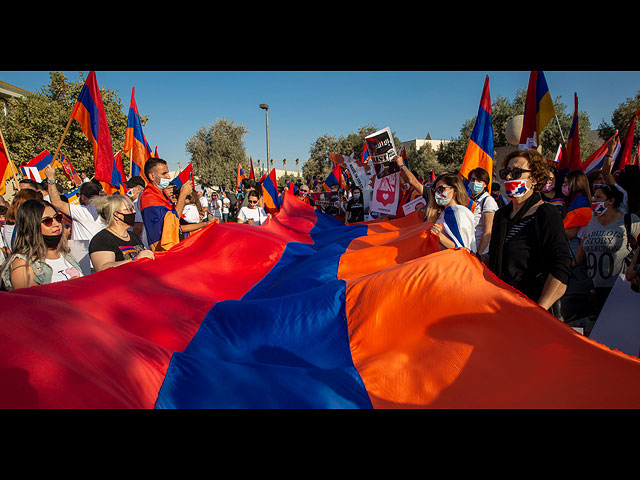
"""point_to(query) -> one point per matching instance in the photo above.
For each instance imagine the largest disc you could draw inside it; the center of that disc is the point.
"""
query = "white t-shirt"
(258, 215)
(86, 222)
(484, 204)
(62, 270)
(190, 214)
(216, 208)
(204, 202)
(226, 203)
(7, 233)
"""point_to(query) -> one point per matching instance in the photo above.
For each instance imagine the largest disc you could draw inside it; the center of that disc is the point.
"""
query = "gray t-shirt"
(605, 248)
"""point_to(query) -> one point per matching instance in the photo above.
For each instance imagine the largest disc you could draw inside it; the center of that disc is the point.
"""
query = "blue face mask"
(164, 183)
(356, 196)
(476, 187)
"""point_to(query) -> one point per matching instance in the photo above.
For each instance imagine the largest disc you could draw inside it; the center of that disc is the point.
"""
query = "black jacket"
(538, 249)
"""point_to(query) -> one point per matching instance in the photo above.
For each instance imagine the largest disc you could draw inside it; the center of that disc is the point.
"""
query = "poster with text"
(381, 152)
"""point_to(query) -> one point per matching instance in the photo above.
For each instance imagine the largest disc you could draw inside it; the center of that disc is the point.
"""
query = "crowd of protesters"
(522, 234)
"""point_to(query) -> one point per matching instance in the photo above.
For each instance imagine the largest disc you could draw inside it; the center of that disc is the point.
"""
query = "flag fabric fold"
(185, 176)
(323, 316)
(34, 168)
(270, 192)
(573, 161)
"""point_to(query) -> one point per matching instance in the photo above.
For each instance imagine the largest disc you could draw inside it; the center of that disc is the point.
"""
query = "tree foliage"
(620, 121)
(216, 150)
(37, 121)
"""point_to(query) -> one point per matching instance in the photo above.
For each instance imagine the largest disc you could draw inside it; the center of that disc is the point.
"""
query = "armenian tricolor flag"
(240, 176)
(89, 112)
(270, 193)
(135, 143)
(69, 171)
(324, 316)
(579, 212)
(160, 219)
(479, 152)
(117, 182)
(185, 176)
(538, 110)
(334, 178)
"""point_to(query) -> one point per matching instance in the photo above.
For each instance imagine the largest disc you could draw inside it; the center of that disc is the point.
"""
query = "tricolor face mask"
(516, 188)
(598, 208)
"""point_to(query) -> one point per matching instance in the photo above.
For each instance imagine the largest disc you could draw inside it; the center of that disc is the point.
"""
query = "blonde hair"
(106, 205)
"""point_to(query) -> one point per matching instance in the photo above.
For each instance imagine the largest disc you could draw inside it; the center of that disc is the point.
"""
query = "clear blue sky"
(307, 104)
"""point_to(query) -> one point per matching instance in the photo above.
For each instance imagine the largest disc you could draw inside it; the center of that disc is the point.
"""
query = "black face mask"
(128, 218)
(52, 241)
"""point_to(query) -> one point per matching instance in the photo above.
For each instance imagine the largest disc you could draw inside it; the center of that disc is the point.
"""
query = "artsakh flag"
(135, 143)
(479, 153)
(596, 160)
(89, 112)
(34, 168)
(538, 110)
(322, 317)
(69, 171)
(184, 176)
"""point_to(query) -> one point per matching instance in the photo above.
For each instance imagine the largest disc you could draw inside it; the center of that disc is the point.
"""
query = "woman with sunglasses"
(40, 252)
(116, 244)
(529, 248)
(453, 222)
(604, 245)
(253, 213)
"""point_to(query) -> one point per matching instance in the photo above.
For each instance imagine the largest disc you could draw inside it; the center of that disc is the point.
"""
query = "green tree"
(37, 121)
(620, 119)
(319, 162)
(216, 150)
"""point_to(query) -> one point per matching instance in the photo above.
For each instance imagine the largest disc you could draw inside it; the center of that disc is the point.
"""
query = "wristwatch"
(51, 182)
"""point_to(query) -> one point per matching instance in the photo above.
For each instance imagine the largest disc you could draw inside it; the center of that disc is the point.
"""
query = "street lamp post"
(265, 107)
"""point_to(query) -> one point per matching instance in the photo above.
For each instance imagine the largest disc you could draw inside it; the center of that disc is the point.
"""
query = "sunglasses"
(48, 221)
(252, 201)
(516, 172)
(441, 188)
(304, 191)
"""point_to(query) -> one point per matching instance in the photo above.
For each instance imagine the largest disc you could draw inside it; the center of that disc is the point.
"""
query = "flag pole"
(64, 134)
(560, 128)
(13, 167)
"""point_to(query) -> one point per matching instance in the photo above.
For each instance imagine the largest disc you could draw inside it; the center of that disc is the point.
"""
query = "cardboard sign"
(386, 194)
(327, 202)
(410, 207)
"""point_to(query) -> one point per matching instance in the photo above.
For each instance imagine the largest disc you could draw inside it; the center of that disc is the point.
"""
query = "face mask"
(52, 241)
(565, 190)
(441, 200)
(548, 187)
(356, 196)
(515, 188)
(164, 183)
(476, 187)
(128, 218)
(598, 208)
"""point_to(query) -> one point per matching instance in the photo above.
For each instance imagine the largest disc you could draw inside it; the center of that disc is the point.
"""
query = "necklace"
(123, 237)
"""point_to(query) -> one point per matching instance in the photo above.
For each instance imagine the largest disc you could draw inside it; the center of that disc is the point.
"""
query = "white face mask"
(441, 200)
(164, 183)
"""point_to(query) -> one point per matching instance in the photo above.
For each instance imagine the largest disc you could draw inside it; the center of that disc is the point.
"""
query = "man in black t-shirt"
(355, 207)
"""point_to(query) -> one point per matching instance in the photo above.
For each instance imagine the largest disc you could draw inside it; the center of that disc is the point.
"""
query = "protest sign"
(361, 173)
(327, 202)
(382, 150)
(411, 206)
(386, 194)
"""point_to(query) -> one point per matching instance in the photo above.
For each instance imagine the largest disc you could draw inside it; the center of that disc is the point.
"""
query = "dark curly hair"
(540, 170)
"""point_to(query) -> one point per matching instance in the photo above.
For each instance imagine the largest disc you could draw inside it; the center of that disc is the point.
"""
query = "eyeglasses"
(441, 188)
(252, 202)
(48, 221)
(304, 191)
(516, 172)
